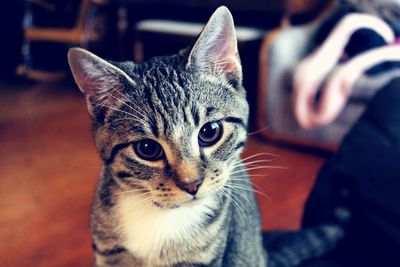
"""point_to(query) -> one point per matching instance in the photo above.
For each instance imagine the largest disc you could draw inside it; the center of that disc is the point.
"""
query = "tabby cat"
(173, 190)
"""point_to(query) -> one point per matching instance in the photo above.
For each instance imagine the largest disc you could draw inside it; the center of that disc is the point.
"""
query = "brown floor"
(48, 169)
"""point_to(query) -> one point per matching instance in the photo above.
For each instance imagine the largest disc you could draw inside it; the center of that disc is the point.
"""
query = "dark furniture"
(140, 42)
(260, 14)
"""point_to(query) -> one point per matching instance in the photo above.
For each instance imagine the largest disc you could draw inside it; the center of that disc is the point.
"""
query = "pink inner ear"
(233, 64)
(98, 84)
(84, 83)
(84, 73)
(228, 46)
(216, 49)
(223, 51)
(222, 54)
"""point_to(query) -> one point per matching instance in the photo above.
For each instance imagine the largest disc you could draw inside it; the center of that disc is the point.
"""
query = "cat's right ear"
(216, 49)
(100, 81)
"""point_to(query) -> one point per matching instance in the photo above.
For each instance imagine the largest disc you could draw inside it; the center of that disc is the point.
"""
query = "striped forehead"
(162, 106)
(170, 100)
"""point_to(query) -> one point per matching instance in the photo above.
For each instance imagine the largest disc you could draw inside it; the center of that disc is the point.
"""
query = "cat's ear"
(100, 81)
(216, 48)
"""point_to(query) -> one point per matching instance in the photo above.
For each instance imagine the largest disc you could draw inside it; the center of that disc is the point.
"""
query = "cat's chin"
(194, 201)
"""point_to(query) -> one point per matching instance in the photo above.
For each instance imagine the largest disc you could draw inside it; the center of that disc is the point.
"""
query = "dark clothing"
(364, 175)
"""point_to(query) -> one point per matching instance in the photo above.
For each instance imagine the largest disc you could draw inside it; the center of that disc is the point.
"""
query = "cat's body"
(210, 233)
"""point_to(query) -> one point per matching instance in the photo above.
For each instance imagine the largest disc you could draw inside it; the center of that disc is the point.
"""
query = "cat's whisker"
(124, 102)
(259, 154)
(141, 193)
(258, 168)
(240, 204)
(232, 194)
(142, 112)
(116, 194)
(252, 183)
(122, 111)
(239, 209)
(252, 162)
(237, 193)
(239, 186)
(247, 175)
(118, 109)
(131, 115)
(239, 179)
(256, 161)
(150, 199)
(255, 155)
(259, 131)
(255, 187)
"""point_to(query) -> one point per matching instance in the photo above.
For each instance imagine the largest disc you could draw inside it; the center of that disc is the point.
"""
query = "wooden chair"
(81, 34)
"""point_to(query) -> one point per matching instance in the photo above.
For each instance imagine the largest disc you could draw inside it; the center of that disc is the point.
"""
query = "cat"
(172, 190)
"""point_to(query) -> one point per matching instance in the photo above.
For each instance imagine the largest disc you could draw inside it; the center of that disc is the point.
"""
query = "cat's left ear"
(216, 48)
(100, 81)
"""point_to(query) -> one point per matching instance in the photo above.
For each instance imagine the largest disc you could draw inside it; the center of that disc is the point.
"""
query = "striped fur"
(140, 216)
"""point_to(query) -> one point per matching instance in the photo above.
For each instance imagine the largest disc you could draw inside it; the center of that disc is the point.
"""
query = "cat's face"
(170, 129)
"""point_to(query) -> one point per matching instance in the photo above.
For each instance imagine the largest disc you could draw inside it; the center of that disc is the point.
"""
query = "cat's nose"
(191, 187)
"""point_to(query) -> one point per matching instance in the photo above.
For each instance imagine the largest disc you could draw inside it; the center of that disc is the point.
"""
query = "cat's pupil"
(210, 133)
(148, 149)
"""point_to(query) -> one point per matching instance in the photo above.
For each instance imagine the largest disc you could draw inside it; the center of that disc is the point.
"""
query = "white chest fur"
(149, 230)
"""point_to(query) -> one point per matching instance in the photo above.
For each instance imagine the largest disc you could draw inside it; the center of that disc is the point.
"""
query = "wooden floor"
(49, 166)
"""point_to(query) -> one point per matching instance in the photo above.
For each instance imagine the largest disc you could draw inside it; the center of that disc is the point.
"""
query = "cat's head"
(171, 128)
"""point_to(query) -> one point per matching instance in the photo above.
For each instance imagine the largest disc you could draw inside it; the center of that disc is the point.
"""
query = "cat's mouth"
(186, 203)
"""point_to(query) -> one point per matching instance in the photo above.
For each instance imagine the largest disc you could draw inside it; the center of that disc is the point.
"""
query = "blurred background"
(48, 162)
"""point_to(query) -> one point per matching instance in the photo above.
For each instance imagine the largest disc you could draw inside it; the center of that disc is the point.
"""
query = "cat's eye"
(148, 149)
(210, 133)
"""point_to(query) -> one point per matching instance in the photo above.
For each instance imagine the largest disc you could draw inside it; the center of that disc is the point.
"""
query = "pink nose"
(191, 187)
